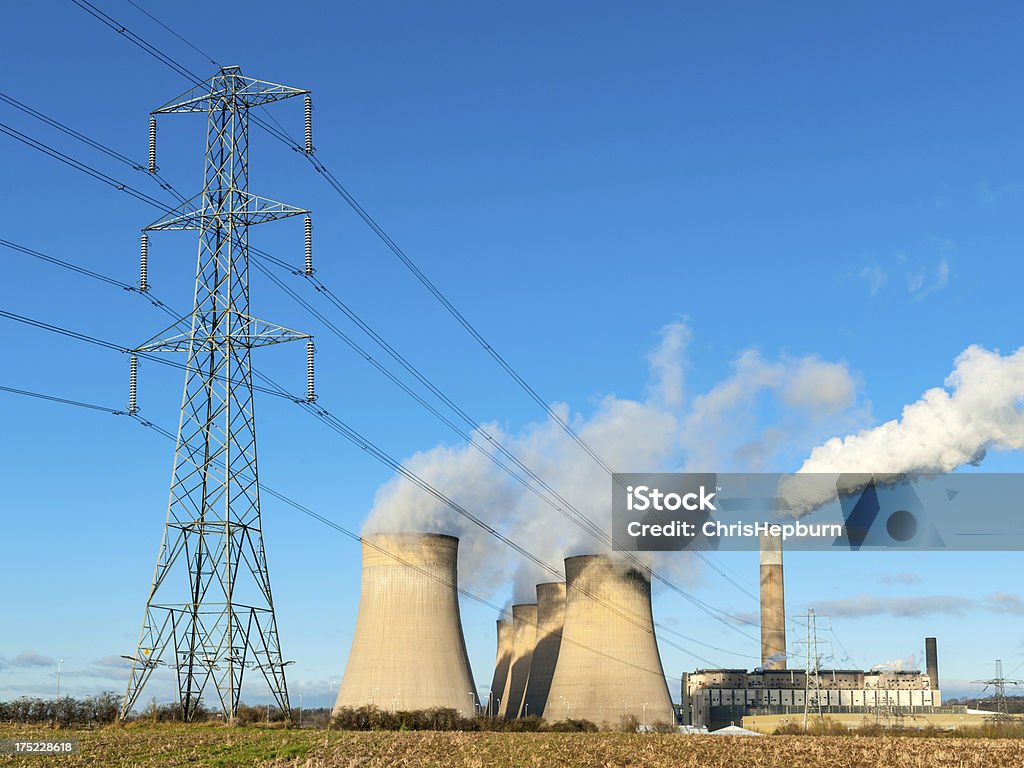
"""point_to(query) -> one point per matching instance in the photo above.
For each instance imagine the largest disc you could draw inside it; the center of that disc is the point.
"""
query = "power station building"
(715, 698)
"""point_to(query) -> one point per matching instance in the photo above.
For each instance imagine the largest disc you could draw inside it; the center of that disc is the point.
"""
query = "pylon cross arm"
(242, 209)
(243, 91)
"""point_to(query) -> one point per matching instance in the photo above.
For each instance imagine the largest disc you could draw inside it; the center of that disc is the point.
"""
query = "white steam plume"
(979, 409)
(662, 432)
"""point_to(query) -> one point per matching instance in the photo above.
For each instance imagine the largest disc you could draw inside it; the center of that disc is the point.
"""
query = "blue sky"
(841, 184)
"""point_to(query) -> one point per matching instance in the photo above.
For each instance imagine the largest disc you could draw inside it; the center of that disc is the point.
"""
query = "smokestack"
(931, 657)
(408, 651)
(524, 638)
(501, 664)
(608, 664)
(773, 605)
(550, 619)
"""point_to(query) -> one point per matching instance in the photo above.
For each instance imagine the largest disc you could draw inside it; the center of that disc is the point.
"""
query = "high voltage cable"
(90, 142)
(278, 389)
(712, 611)
(282, 135)
(336, 526)
(321, 414)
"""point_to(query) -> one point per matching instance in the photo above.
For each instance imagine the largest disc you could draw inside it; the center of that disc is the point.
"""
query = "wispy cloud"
(927, 281)
(876, 278)
(988, 193)
(900, 607)
(899, 577)
(917, 606)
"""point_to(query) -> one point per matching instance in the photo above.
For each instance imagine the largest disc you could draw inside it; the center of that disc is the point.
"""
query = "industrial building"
(714, 698)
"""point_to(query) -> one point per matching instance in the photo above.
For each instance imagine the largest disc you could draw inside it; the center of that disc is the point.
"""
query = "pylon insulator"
(152, 144)
(133, 380)
(309, 246)
(144, 263)
(309, 123)
(310, 389)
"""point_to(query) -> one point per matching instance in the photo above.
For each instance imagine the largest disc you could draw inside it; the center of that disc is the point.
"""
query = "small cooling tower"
(550, 618)
(524, 637)
(608, 664)
(408, 651)
(502, 661)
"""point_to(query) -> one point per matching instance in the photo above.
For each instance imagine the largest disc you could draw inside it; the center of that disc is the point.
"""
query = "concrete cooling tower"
(608, 664)
(550, 619)
(408, 651)
(524, 637)
(501, 664)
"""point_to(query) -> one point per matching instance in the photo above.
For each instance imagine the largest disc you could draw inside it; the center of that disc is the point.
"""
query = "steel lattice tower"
(210, 611)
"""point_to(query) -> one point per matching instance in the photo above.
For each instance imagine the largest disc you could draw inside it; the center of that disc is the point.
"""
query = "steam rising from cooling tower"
(665, 430)
(409, 651)
(608, 664)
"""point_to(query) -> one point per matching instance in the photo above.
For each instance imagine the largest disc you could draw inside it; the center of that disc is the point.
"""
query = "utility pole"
(998, 685)
(210, 611)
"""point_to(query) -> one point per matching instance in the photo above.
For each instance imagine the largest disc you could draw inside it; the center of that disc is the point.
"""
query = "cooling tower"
(550, 619)
(408, 651)
(773, 605)
(608, 664)
(501, 664)
(931, 656)
(524, 637)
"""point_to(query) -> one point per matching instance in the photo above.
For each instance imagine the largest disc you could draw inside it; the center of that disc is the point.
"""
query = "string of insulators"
(133, 380)
(309, 124)
(144, 263)
(309, 246)
(152, 144)
(310, 390)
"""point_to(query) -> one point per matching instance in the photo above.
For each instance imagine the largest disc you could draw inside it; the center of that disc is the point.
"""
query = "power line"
(312, 514)
(713, 611)
(580, 519)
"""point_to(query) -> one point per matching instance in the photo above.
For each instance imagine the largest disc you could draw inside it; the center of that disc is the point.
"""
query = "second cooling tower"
(608, 662)
(408, 651)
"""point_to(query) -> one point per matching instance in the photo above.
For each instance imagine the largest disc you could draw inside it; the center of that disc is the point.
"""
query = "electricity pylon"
(998, 685)
(210, 612)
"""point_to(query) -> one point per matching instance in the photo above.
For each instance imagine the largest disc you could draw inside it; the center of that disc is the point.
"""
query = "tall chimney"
(408, 651)
(502, 659)
(931, 657)
(550, 619)
(524, 638)
(773, 605)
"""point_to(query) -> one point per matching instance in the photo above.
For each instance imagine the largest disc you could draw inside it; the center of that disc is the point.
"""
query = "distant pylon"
(998, 685)
(210, 612)
(812, 680)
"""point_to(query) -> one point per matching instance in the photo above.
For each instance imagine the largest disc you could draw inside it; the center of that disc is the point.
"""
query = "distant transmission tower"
(210, 612)
(812, 668)
(998, 685)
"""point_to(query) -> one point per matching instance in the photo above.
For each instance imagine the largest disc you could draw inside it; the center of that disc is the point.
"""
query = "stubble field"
(169, 745)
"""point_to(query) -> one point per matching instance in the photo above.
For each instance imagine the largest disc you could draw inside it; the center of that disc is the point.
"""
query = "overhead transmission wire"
(312, 514)
(579, 519)
(353, 436)
(282, 135)
(707, 608)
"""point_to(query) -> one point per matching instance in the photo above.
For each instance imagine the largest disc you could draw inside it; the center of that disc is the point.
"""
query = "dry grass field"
(174, 745)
